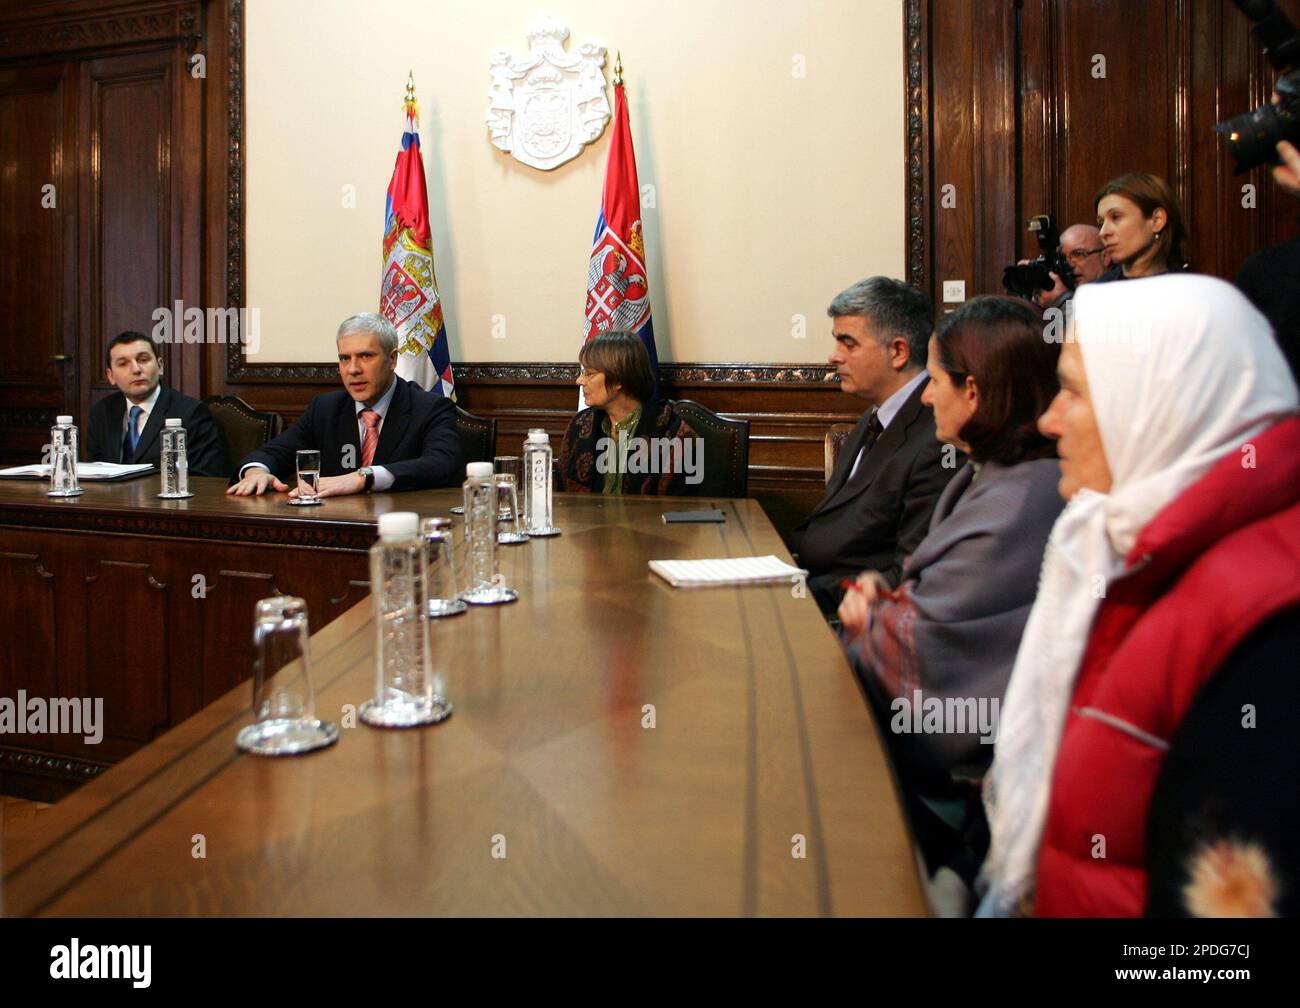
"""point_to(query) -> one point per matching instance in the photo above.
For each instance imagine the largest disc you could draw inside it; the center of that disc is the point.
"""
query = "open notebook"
(85, 471)
(731, 571)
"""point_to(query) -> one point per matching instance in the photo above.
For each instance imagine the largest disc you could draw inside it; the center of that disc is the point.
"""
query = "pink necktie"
(371, 440)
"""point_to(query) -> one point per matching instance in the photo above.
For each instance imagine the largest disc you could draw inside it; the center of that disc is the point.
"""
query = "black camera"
(1026, 279)
(1252, 137)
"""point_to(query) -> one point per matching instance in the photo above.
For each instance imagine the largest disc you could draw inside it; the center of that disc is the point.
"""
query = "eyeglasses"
(1079, 255)
(586, 372)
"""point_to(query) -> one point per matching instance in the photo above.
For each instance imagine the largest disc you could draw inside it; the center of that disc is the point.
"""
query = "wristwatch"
(369, 474)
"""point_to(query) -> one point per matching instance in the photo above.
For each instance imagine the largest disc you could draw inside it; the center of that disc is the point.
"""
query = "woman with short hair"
(626, 441)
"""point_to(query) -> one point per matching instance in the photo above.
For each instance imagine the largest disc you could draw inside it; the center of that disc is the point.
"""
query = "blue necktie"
(132, 436)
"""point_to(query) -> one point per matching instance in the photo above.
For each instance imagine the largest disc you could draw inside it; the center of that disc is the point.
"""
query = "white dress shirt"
(889, 409)
(146, 408)
(383, 478)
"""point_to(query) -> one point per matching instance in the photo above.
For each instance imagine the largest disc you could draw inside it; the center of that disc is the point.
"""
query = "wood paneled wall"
(100, 197)
(1003, 104)
(1030, 107)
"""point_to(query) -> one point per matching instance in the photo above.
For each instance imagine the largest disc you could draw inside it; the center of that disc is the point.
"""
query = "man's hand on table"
(257, 480)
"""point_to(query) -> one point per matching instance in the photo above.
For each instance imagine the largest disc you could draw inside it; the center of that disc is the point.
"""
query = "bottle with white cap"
(63, 458)
(173, 462)
(406, 692)
(537, 484)
(485, 584)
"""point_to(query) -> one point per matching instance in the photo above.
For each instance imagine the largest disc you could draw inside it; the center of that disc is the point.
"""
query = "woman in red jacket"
(1180, 461)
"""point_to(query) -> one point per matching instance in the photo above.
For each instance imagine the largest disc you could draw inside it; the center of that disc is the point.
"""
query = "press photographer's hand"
(1287, 174)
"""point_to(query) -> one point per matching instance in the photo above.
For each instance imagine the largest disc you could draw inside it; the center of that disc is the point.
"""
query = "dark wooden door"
(38, 213)
(101, 154)
(138, 175)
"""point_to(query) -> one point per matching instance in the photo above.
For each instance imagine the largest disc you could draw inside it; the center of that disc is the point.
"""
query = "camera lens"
(1252, 137)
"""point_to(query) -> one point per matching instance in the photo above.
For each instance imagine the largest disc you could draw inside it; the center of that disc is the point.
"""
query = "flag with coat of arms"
(408, 293)
(618, 289)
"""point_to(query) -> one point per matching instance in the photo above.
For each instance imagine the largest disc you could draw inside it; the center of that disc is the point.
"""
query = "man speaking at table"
(380, 433)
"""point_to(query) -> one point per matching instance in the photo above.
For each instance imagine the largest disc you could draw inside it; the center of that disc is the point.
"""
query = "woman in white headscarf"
(1180, 461)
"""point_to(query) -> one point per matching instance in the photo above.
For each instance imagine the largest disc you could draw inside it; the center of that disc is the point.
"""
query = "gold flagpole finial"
(618, 68)
(412, 107)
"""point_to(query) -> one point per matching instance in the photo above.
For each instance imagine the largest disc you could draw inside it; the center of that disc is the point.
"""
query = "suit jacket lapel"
(852, 444)
(114, 411)
(347, 431)
(154, 424)
(888, 443)
(390, 431)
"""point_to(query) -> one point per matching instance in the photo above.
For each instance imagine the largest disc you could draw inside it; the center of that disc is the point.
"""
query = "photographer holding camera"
(1065, 261)
(1271, 278)
(1081, 247)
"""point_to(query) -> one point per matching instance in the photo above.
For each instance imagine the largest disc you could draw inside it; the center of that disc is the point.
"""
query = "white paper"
(729, 571)
(85, 470)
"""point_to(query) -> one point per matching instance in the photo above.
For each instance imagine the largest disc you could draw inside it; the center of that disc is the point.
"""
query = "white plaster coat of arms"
(545, 107)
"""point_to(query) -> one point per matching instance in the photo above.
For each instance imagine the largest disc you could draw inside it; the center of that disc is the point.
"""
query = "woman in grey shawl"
(935, 655)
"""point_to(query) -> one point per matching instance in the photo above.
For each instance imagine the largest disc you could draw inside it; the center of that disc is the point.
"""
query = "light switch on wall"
(954, 291)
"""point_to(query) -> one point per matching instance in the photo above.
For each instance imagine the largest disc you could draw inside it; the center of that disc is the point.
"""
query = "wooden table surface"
(762, 748)
(133, 505)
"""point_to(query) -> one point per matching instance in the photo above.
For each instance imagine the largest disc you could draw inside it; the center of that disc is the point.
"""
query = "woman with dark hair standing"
(626, 441)
(1141, 227)
(950, 632)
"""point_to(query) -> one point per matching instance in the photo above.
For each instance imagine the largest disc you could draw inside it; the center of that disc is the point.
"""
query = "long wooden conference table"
(618, 747)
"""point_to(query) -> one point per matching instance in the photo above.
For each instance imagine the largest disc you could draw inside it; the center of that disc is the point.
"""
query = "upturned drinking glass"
(509, 527)
(440, 562)
(284, 704)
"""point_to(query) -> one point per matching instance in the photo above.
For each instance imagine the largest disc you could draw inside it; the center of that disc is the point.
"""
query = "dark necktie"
(132, 436)
(874, 430)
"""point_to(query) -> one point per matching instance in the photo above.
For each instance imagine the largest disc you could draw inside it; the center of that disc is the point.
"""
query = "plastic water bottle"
(537, 484)
(174, 463)
(63, 458)
(405, 690)
(485, 585)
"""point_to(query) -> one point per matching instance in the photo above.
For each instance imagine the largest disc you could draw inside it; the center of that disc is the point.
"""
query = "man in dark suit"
(380, 433)
(892, 468)
(126, 426)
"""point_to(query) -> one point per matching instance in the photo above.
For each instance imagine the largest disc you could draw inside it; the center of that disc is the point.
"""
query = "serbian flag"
(618, 291)
(408, 293)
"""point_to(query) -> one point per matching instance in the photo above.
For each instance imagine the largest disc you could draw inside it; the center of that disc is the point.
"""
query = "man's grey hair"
(370, 322)
(893, 308)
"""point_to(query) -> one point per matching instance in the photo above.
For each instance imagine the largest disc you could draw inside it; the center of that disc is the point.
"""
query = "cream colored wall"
(773, 191)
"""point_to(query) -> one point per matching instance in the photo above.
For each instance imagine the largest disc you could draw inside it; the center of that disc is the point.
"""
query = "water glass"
(308, 477)
(284, 703)
(509, 527)
(440, 562)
